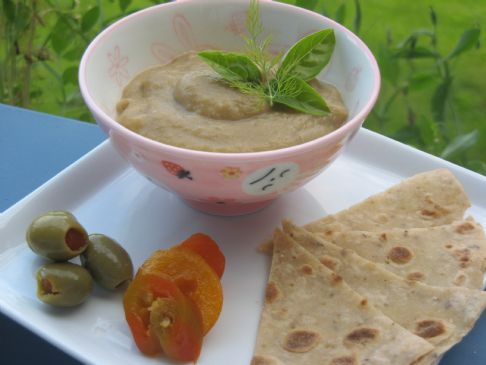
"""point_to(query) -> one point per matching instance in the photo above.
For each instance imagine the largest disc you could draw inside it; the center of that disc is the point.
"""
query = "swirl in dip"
(185, 103)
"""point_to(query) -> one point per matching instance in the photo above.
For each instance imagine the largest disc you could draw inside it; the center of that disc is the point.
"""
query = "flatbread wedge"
(442, 316)
(448, 255)
(428, 199)
(311, 316)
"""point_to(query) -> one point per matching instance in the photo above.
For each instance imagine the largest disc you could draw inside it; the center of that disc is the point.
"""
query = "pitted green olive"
(107, 261)
(57, 235)
(63, 284)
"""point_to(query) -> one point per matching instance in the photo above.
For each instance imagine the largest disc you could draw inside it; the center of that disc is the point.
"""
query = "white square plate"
(107, 196)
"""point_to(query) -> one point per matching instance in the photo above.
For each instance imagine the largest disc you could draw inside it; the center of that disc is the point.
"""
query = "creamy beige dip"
(184, 103)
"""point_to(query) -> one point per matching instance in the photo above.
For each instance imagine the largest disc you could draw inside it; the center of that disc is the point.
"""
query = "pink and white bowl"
(221, 183)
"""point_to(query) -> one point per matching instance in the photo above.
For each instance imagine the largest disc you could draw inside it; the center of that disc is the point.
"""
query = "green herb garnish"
(277, 79)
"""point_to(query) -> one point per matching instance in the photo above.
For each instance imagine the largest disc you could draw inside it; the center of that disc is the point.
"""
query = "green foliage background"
(433, 91)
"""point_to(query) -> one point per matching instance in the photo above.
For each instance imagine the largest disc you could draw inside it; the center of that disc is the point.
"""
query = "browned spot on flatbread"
(429, 328)
(264, 360)
(271, 292)
(328, 232)
(301, 341)
(383, 237)
(465, 228)
(434, 212)
(416, 276)
(449, 246)
(364, 302)
(361, 336)
(344, 360)
(329, 262)
(460, 280)
(400, 255)
(428, 213)
(335, 279)
(464, 256)
(306, 270)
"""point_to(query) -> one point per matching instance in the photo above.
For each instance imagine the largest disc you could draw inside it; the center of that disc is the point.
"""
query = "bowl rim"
(344, 130)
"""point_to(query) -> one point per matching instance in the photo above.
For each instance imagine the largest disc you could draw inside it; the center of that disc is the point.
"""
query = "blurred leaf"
(9, 8)
(476, 165)
(439, 100)
(420, 80)
(433, 19)
(23, 17)
(59, 36)
(62, 4)
(43, 54)
(429, 133)
(74, 98)
(411, 118)
(324, 10)
(90, 18)
(467, 41)
(70, 75)
(52, 71)
(340, 13)
(35, 94)
(413, 38)
(124, 4)
(389, 37)
(87, 117)
(308, 4)
(357, 17)
(433, 16)
(415, 52)
(389, 65)
(460, 144)
(74, 54)
(407, 134)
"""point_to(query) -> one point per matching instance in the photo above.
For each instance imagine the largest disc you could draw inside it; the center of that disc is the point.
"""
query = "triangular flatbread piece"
(442, 316)
(311, 316)
(448, 255)
(428, 199)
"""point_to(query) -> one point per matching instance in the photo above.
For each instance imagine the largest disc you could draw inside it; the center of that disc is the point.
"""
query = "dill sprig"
(255, 49)
(276, 79)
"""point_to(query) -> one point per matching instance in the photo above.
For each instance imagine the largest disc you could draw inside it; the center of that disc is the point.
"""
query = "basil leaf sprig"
(278, 80)
(307, 58)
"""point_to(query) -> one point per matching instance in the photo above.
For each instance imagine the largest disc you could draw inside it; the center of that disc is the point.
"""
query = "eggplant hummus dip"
(185, 103)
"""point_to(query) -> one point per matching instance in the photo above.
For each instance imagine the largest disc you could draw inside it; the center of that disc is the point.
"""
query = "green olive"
(63, 284)
(107, 261)
(57, 235)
